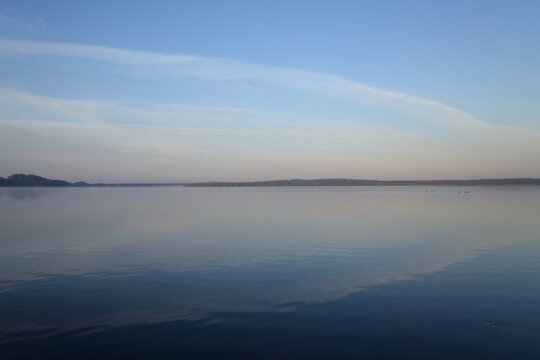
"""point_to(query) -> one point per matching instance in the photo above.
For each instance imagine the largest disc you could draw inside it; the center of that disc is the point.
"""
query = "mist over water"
(407, 272)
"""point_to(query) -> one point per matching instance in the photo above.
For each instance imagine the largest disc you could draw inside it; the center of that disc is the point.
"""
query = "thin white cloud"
(13, 24)
(228, 133)
(218, 68)
(174, 118)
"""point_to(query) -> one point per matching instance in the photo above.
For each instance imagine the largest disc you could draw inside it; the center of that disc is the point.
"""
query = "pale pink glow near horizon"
(117, 140)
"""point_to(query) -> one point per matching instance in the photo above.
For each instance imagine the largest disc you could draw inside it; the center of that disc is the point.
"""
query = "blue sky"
(246, 90)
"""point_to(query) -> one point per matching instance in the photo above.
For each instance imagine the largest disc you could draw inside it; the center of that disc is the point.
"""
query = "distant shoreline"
(23, 180)
(353, 182)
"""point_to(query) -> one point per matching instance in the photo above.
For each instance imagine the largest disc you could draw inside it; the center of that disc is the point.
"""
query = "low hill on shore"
(31, 180)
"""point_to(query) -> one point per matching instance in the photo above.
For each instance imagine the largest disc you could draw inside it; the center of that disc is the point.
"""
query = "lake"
(266, 273)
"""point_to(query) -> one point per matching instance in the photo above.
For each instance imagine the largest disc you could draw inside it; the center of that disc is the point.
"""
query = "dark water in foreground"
(351, 272)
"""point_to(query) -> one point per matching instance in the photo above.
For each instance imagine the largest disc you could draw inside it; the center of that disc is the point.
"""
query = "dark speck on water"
(269, 273)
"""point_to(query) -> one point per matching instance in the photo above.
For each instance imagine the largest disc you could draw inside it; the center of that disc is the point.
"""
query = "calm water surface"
(329, 272)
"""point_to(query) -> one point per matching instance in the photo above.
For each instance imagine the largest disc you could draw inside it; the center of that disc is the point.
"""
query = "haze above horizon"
(199, 91)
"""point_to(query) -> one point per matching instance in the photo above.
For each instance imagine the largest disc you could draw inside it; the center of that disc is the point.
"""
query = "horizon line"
(284, 182)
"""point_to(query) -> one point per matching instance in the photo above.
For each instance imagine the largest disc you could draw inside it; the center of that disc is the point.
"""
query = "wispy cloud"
(166, 119)
(10, 24)
(430, 111)
(220, 69)
(201, 138)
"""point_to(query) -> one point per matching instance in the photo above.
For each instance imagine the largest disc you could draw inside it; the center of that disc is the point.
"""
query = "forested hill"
(31, 180)
(34, 180)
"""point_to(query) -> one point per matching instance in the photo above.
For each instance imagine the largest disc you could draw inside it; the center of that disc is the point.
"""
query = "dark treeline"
(34, 180)
(353, 182)
(31, 180)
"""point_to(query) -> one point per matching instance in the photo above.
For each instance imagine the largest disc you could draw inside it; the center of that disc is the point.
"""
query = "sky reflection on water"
(378, 261)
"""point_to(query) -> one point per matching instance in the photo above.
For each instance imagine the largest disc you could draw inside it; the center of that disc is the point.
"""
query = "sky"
(175, 91)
